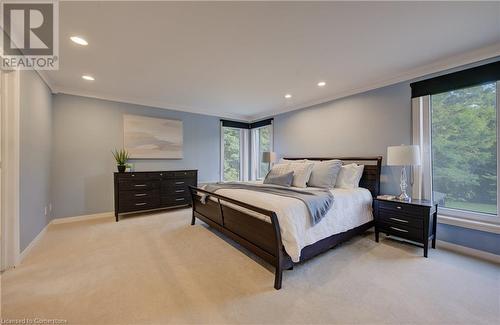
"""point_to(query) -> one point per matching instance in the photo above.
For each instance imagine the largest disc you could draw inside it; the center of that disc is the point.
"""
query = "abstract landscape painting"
(152, 138)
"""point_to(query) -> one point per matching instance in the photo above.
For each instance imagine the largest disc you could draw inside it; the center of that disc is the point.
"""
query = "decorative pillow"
(324, 173)
(349, 176)
(278, 170)
(301, 173)
(282, 180)
(287, 161)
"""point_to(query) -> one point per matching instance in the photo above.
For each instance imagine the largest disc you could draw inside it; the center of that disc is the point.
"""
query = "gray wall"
(481, 240)
(359, 125)
(86, 130)
(35, 155)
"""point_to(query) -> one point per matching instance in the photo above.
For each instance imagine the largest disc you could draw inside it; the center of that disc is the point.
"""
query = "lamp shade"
(268, 157)
(403, 155)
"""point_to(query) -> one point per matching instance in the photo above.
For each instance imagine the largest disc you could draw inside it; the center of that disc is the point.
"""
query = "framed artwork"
(152, 138)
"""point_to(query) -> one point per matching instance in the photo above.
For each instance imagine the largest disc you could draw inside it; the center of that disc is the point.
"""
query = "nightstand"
(415, 220)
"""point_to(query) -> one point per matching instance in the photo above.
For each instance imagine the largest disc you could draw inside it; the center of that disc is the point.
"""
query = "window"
(455, 123)
(262, 141)
(464, 148)
(242, 145)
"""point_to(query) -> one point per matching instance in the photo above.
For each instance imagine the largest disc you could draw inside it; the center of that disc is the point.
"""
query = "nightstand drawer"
(402, 231)
(400, 218)
(400, 207)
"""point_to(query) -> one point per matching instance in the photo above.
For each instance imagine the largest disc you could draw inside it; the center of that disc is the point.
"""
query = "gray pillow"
(324, 173)
(282, 180)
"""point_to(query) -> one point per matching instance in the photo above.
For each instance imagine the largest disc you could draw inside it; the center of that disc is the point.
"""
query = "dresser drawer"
(175, 200)
(189, 173)
(139, 194)
(172, 185)
(400, 207)
(402, 231)
(132, 176)
(139, 204)
(138, 184)
(400, 218)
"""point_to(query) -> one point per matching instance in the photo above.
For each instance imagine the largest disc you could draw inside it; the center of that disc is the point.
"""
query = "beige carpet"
(154, 269)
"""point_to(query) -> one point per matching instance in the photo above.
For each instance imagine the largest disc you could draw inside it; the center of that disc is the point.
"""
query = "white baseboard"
(468, 251)
(33, 243)
(83, 218)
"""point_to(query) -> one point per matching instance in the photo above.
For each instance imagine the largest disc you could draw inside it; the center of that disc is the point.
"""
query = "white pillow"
(301, 173)
(349, 176)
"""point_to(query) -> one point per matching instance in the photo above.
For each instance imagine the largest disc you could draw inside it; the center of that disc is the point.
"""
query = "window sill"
(470, 224)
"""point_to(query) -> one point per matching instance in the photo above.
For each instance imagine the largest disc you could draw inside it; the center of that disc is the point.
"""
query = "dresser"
(142, 191)
(415, 221)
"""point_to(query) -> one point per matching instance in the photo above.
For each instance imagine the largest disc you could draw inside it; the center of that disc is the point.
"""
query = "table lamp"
(403, 156)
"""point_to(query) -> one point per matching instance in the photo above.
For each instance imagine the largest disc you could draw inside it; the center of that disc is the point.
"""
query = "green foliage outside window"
(231, 154)
(464, 148)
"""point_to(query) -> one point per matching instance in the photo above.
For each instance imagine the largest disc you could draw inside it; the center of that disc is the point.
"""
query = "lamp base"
(404, 197)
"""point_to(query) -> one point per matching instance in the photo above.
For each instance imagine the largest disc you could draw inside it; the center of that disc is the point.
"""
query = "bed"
(253, 219)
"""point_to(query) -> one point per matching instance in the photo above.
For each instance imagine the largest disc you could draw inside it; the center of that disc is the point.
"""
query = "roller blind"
(457, 80)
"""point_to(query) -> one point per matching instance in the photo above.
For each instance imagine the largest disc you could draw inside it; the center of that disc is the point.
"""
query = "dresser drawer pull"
(398, 229)
(140, 185)
(398, 207)
(179, 191)
(400, 220)
(179, 183)
(139, 204)
(140, 194)
(180, 199)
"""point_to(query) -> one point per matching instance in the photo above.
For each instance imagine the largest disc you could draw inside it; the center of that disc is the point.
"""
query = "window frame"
(255, 150)
(422, 134)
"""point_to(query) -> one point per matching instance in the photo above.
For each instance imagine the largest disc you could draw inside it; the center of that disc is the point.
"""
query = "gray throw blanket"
(318, 202)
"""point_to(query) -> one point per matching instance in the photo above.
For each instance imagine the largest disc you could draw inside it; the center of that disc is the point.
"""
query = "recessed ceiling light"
(321, 84)
(87, 77)
(288, 96)
(79, 40)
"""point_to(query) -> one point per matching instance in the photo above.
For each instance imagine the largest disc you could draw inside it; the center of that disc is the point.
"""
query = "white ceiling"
(239, 59)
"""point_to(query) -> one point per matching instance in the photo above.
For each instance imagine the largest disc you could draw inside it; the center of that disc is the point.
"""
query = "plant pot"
(121, 168)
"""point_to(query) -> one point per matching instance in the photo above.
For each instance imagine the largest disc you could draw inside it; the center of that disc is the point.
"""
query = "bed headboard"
(371, 173)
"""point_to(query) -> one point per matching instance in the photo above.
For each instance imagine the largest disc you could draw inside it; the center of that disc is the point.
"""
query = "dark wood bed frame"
(264, 238)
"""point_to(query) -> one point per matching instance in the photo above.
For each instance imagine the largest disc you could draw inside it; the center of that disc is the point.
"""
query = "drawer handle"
(140, 185)
(139, 204)
(398, 207)
(398, 229)
(178, 183)
(179, 191)
(141, 194)
(400, 220)
(180, 199)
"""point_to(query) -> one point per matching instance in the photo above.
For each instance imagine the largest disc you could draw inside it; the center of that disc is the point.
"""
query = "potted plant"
(121, 157)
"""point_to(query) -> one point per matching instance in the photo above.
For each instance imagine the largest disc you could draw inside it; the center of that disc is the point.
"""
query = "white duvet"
(351, 208)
